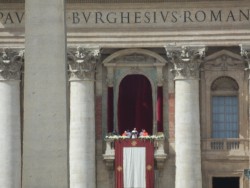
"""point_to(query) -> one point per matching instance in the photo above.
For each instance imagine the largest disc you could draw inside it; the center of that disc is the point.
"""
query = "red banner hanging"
(149, 166)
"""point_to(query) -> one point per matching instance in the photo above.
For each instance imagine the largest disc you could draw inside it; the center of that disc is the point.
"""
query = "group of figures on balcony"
(134, 133)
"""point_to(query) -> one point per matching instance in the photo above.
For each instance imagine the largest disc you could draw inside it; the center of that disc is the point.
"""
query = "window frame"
(221, 94)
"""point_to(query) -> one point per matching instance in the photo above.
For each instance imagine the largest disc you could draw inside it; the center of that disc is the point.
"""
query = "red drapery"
(159, 109)
(135, 104)
(110, 111)
(119, 145)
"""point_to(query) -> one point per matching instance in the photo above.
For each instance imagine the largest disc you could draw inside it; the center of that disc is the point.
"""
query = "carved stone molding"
(134, 61)
(224, 83)
(186, 61)
(11, 61)
(82, 63)
(223, 61)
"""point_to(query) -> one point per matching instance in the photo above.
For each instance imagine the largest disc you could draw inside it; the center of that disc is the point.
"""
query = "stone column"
(45, 136)
(82, 66)
(10, 127)
(186, 63)
(245, 53)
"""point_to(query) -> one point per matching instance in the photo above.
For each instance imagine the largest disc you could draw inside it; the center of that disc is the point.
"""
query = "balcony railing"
(225, 144)
(159, 153)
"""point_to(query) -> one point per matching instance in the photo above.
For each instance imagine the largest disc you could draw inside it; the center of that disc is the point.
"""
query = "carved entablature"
(82, 63)
(224, 61)
(11, 61)
(185, 61)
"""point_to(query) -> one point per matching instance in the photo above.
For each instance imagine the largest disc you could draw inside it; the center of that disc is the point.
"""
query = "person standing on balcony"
(134, 133)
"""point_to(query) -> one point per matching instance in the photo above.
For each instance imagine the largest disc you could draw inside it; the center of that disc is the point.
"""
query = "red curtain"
(135, 104)
(110, 111)
(159, 109)
(119, 145)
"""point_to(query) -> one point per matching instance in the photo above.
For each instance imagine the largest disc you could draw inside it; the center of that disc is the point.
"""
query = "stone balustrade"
(225, 144)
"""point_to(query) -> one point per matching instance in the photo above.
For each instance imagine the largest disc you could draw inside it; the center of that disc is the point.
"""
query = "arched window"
(135, 106)
(225, 108)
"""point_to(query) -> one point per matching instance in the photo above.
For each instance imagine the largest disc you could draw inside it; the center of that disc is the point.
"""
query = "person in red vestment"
(125, 133)
(143, 133)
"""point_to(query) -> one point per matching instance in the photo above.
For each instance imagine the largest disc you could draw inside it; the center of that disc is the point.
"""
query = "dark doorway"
(135, 109)
(226, 182)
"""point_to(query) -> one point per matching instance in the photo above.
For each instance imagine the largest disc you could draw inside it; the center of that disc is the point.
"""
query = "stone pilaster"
(186, 61)
(45, 115)
(82, 66)
(11, 61)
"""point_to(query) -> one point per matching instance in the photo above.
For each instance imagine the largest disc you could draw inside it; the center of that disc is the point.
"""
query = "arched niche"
(125, 63)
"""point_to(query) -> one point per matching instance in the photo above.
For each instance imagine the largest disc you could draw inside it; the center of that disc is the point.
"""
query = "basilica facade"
(75, 75)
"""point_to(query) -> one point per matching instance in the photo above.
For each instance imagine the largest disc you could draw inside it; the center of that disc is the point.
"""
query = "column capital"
(185, 60)
(82, 63)
(245, 53)
(11, 61)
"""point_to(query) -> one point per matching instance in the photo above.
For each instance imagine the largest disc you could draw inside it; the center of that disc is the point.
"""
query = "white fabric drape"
(134, 162)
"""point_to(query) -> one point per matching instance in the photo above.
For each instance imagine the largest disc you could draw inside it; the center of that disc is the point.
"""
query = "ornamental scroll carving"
(186, 61)
(82, 63)
(11, 61)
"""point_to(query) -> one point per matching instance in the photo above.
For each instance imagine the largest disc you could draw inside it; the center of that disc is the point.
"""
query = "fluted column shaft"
(187, 117)
(82, 118)
(10, 128)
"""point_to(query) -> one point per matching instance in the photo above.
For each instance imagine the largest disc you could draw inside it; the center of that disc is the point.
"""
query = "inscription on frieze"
(159, 16)
(165, 18)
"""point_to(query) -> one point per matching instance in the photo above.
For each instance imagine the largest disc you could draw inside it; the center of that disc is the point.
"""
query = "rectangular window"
(225, 117)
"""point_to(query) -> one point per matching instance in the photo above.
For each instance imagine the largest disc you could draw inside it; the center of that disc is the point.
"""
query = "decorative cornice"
(186, 61)
(82, 63)
(11, 61)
